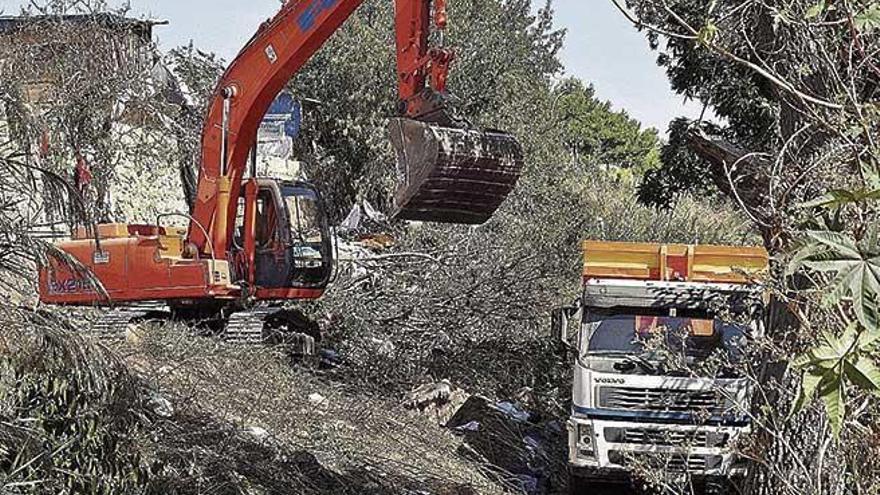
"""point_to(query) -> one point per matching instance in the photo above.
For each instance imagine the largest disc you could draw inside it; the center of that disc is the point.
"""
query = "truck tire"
(578, 485)
(581, 485)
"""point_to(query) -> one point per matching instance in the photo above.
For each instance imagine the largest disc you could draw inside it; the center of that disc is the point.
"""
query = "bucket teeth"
(452, 175)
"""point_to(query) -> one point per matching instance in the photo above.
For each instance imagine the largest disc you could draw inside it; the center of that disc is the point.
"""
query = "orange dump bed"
(674, 262)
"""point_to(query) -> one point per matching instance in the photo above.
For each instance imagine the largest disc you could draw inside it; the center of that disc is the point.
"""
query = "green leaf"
(805, 253)
(804, 361)
(839, 288)
(841, 197)
(865, 289)
(831, 392)
(867, 340)
(810, 382)
(815, 10)
(871, 174)
(843, 245)
(836, 346)
(864, 374)
(869, 19)
(708, 33)
(856, 275)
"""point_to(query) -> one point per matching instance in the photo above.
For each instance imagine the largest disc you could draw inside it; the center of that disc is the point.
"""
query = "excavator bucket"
(450, 174)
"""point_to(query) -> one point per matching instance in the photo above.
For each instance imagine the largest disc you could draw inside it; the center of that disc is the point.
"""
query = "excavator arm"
(429, 155)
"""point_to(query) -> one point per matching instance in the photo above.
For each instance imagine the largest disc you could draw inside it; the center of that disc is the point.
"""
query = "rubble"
(437, 401)
(327, 440)
(523, 451)
(258, 433)
(361, 216)
(160, 406)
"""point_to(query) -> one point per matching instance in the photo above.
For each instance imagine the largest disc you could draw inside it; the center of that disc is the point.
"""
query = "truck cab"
(658, 340)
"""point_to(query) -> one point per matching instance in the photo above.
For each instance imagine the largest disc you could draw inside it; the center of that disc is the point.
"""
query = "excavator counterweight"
(452, 174)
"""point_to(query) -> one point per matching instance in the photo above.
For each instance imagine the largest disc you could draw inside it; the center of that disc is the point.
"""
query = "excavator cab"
(293, 247)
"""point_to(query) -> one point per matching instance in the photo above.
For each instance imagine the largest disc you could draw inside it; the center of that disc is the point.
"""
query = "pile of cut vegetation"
(167, 412)
(71, 414)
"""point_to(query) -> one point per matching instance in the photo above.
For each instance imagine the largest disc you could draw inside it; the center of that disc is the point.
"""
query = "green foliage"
(68, 421)
(708, 33)
(841, 197)
(831, 364)
(505, 59)
(681, 171)
(816, 10)
(594, 133)
(855, 267)
(869, 19)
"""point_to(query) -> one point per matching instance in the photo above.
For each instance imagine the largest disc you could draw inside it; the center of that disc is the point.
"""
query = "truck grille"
(673, 463)
(659, 399)
(672, 438)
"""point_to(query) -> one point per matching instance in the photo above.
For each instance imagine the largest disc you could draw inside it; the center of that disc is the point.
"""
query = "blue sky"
(601, 48)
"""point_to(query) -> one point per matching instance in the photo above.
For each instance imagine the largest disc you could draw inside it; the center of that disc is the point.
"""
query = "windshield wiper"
(641, 362)
(607, 352)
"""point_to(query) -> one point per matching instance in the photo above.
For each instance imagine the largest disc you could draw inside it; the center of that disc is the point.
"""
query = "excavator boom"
(445, 165)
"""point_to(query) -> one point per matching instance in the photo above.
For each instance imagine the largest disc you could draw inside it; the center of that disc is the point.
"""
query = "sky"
(602, 47)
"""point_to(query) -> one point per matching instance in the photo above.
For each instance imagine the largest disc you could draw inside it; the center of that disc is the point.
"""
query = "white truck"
(658, 341)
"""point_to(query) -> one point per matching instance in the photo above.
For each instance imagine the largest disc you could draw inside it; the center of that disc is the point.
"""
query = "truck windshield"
(636, 334)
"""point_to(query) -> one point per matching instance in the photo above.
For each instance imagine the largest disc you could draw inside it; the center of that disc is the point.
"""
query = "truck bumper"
(620, 447)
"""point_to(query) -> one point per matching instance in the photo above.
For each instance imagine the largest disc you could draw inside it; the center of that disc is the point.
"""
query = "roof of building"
(140, 27)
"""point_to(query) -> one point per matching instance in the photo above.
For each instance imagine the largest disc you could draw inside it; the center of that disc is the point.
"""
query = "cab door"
(291, 243)
(271, 238)
(310, 250)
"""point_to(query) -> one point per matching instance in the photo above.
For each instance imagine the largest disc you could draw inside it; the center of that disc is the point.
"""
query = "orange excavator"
(254, 242)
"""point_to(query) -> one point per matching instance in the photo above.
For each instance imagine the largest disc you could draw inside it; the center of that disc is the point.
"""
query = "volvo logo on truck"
(611, 381)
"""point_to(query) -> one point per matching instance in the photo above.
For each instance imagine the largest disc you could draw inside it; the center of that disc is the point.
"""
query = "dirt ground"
(250, 413)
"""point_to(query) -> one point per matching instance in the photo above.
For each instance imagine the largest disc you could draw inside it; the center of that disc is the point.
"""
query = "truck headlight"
(585, 441)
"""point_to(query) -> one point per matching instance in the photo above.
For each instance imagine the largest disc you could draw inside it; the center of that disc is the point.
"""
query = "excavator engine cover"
(451, 174)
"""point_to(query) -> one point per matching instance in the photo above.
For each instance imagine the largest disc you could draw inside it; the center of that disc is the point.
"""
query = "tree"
(594, 133)
(797, 84)
(503, 68)
(87, 98)
(681, 171)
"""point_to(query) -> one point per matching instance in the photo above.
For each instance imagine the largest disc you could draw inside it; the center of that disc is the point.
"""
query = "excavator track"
(114, 323)
(273, 325)
(248, 327)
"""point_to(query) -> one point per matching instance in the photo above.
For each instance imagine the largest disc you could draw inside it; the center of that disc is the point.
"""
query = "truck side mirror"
(559, 323)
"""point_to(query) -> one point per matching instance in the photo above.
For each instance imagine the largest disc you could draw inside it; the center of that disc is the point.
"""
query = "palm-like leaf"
(856, 272)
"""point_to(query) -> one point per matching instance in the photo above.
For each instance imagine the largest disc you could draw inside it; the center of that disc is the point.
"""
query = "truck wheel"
(577, 485)
(720, 487)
